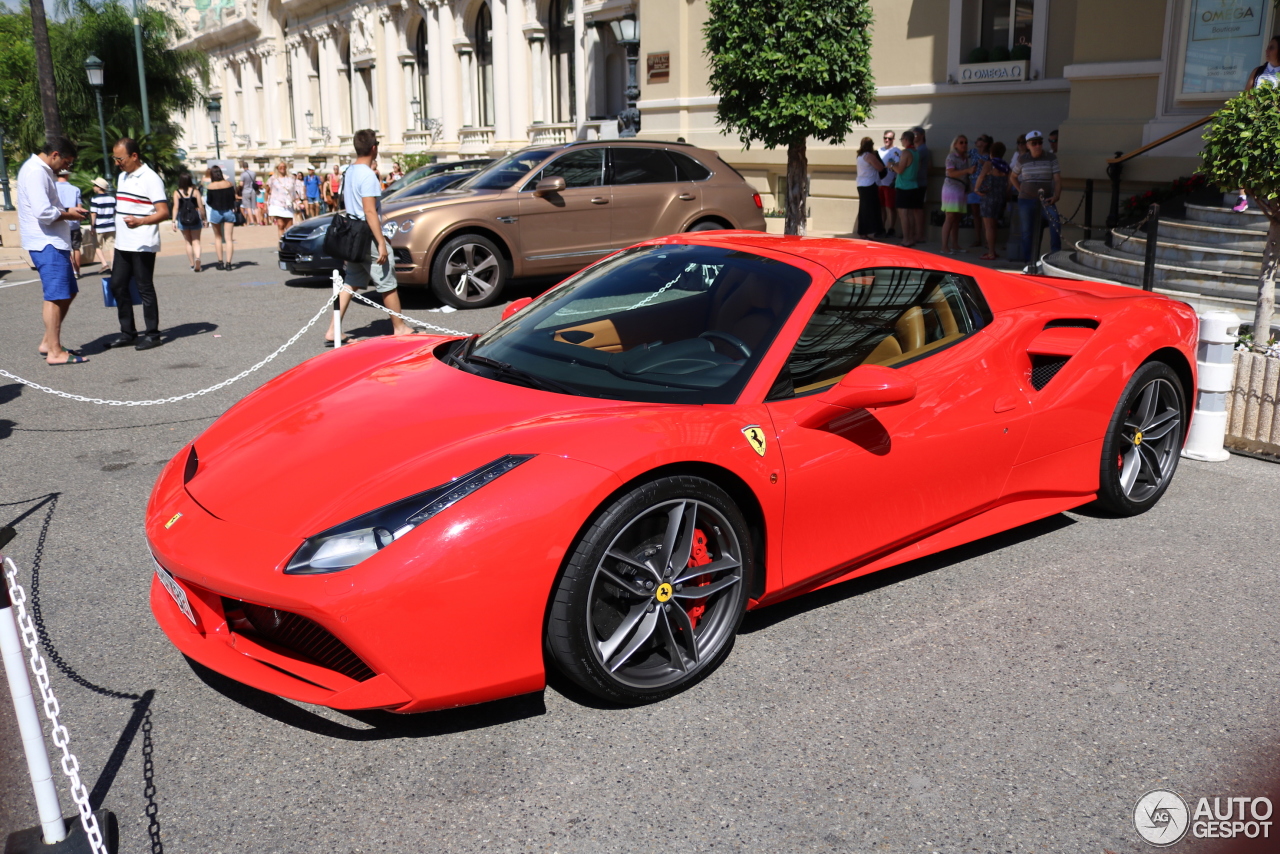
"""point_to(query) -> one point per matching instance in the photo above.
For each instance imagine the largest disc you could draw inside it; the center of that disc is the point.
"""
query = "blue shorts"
(217, 217)
(56, 276)
(313, 199)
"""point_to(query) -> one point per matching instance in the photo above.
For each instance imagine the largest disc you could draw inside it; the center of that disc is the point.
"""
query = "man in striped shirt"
(141, 205)
(102, 212)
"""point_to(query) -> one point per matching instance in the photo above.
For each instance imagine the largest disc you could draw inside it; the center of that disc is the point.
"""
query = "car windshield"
(671, 324)
(507, 171)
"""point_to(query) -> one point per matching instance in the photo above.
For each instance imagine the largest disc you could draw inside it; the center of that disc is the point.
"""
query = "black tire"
(707, 225)
(1143, 441)
(631, 631)
(469, 271)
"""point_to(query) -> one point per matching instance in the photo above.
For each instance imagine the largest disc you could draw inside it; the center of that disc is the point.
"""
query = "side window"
(882, 316)
(688, 169)
(642, 166)
(582, 168)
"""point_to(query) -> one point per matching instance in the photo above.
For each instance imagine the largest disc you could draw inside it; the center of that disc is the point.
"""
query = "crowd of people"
(126, 223)
(978, 182)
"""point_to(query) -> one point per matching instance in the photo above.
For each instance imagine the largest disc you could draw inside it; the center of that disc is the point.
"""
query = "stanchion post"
(24, 703)
(1088, 209)
(337, 309)
(1215, 380)
(1037, 235)
(1149, 257)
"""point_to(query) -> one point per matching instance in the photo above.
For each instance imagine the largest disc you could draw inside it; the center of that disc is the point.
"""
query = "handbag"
(348, 237)
(109, 299)
(239, 215)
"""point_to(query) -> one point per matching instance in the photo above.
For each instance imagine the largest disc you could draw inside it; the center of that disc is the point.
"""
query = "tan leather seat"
(937, 302)
(886, 351)
(909, 330)
(747, 310)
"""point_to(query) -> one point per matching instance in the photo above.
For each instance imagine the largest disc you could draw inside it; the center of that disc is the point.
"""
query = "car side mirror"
(548, 185)
(519, 304)
(865, 387)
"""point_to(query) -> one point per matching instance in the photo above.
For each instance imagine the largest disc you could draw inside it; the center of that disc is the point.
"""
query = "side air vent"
(295, 632)
(1072, 323)
(1045, 368)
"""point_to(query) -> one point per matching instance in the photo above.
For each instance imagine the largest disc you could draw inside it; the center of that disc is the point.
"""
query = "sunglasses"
(1035, 142)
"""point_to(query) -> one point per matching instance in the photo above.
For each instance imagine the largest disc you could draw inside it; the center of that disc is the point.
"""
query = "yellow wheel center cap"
(1137, 438)
(663, 593)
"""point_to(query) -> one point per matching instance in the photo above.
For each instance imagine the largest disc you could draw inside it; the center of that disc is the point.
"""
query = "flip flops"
(68, 349)
(72, 359)
(346, 339)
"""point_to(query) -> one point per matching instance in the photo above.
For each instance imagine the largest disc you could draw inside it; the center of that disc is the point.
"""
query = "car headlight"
(343, 546)
(391, 229)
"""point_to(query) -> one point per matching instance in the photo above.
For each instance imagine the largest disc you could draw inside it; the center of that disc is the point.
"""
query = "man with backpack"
(360, 194)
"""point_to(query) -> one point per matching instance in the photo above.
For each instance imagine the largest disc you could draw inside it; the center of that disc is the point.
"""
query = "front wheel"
(652, 597)
(1143, 441)
(469, 271)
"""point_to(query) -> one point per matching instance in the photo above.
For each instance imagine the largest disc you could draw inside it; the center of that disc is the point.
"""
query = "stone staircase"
(1211, 259)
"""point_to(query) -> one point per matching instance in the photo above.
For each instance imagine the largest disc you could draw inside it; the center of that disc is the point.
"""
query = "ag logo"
(755, 438)
(1161, 817)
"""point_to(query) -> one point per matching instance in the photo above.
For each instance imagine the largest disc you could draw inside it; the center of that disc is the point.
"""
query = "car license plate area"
(283, 266)
(179, 595)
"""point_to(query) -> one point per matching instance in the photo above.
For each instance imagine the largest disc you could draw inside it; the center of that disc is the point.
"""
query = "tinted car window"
(507, 171)
(884, 316)
(642, 166)
(430, 184)
(688, 169)
(581, 168)
(673, 324)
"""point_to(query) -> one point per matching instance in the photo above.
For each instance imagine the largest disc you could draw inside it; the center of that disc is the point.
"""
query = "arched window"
(560, 47)
(484, 65)
(420, 62)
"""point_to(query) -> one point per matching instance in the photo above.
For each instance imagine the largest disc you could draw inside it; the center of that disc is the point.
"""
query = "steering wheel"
(731, 340)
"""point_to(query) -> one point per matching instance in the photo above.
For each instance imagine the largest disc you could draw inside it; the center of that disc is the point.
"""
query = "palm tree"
(44, 71)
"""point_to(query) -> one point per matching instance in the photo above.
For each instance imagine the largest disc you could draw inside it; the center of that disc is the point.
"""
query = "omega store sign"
(1224, 41)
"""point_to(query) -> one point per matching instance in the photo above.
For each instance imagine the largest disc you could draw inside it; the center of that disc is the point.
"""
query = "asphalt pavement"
(1018, 694)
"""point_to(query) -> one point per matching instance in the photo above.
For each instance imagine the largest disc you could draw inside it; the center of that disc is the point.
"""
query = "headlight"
(346, 545)
(321, 230)
(391, 229)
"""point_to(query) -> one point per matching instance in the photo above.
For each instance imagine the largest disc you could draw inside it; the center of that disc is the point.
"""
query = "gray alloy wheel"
(469, 272)
(651, 598)
(1144, 440)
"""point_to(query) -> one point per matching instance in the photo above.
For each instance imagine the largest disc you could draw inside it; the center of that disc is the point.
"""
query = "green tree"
(174, 78)
(787, 71)
(1242, 149)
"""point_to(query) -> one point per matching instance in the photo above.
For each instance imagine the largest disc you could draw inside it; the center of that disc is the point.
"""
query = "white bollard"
(1218, 332)
(337, 309)
(15, 668)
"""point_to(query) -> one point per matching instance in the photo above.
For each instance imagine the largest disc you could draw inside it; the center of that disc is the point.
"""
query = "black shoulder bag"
(348, 237)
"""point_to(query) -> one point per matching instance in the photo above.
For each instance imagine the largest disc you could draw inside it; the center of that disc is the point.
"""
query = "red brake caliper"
(698, 557)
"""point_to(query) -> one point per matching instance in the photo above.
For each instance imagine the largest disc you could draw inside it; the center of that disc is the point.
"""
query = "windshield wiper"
(512, 372)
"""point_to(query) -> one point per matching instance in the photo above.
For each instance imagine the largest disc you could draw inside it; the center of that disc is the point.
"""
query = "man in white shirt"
(888, 204)
(361, 194)
(141, 205)
(45, 226)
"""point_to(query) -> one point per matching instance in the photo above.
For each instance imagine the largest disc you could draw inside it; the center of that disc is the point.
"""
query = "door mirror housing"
(865, 387)
(516, 306)
(548, 185)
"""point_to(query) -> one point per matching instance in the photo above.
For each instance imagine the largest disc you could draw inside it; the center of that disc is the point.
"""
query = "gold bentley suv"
(554, 209)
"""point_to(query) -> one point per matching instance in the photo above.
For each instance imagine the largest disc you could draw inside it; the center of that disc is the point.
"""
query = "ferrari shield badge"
(755, 438)
(169, 524)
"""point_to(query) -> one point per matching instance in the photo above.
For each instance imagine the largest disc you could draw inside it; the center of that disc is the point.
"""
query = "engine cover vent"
(1045, 368)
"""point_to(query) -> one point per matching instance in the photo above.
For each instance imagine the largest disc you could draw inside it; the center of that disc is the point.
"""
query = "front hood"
(435, 200)
(308, 227)
(349, 431)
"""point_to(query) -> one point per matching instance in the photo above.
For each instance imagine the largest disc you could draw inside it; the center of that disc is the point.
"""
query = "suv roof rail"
(628, 139)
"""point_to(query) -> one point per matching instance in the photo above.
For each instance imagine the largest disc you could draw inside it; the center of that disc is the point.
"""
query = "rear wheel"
(1143, 442)
(469, 271)
(652, 597)
(707, 225)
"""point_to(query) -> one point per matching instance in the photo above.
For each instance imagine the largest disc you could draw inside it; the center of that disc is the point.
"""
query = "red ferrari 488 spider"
(610, 477)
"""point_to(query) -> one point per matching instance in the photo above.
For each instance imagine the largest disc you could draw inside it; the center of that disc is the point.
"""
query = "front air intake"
(298, 634)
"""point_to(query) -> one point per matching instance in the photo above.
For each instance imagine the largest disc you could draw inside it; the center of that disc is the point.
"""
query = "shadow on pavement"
(774, 614)
(379, 725)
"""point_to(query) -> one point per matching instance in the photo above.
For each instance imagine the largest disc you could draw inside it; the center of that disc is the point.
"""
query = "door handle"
(1006, 403)
(686, 197)
(599, 200)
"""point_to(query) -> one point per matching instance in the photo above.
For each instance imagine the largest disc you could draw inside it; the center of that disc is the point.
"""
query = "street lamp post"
(242, 138)
(416, 106)
(4, 175)
(93, 68)
(142, 70)
(320, 131)
(215, 115)
(626, 32)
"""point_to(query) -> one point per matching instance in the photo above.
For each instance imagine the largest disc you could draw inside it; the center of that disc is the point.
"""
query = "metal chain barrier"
(1136, 230)
(61, 738)
(406, 318)
(1051, 211)
(180, 397)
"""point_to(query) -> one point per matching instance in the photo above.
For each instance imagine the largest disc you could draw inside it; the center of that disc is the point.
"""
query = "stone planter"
(1253, 407)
